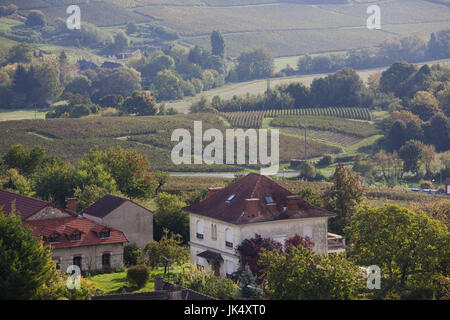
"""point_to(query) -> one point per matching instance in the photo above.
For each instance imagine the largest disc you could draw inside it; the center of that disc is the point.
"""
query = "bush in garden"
(138, 275)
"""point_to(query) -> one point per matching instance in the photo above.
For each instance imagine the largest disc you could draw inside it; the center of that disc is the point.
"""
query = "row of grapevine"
(348, 113)
(245, 119)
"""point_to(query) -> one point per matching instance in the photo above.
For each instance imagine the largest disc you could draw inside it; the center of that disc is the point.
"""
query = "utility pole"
(305, 143)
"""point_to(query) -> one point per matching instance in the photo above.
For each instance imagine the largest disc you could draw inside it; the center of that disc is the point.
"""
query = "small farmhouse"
(252, 205)
(134, 220)
(74, 240)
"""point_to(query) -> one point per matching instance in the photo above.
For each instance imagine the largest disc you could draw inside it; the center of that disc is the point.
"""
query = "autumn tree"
(140, 103)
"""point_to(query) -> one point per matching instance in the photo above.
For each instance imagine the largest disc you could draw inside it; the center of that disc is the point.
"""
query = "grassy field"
(7, 114)
(111, 283)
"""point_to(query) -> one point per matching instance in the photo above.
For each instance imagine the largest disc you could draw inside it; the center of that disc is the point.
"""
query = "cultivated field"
(71, 138)
(352, 127)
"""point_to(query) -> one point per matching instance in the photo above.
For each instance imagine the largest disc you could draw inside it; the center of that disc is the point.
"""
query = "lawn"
(111, 283)
(23, 114)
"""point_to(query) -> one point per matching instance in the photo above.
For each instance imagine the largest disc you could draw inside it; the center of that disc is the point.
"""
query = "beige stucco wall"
(133, 220)
(91, 256)
(272, 229)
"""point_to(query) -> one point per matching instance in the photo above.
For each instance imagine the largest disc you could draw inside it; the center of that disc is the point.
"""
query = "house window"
(229, 238)
(76, 236)
(231, 197)
(199, 229)
(269, 200)
(54, 238)
(106, 261)
(229, 267)
(213, 231)
(105, 234)
(77, 261)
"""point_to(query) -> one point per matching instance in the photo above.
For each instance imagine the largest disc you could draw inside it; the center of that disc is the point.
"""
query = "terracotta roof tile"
(257, 187)
(85, 226)
(26, 206)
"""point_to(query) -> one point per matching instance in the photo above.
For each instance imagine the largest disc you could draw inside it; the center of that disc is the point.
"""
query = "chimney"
(213, 191)
(72, 204)
(292, 203)
(252, 206)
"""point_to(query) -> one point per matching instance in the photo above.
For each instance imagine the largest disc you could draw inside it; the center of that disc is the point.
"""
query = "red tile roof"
(64, 225)
(26, 206)
(256, 187)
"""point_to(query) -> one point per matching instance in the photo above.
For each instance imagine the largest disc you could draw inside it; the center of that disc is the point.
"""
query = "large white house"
(252, 205)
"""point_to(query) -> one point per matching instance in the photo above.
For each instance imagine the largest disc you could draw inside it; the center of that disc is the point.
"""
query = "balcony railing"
(229, 244)
(199, 235)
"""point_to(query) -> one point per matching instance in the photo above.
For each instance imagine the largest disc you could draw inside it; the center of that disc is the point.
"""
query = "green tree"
(170, 216)
(140, 103)
(343, 197)
(424, 104)
(132, 255)
(201, 105)
(248, 288)
(439, 133)
(132, 28)
(301, 274)
(255, 63)
(121, 41)
(411, 154)
(168, 85)
(166, 251)
(22, 52)
(394, 78)
(217, 44)
(36, 19)
(396, 136)
(25, 263)
(408, 247)
(46, 77)
(25, 160)
(79, 85)
(56, 181)
(13, 180)
(122, 81)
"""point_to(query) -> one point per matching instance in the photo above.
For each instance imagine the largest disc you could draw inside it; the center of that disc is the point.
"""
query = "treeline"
(411, 49)
(32, 172)
(421, 112)
(341, 89)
